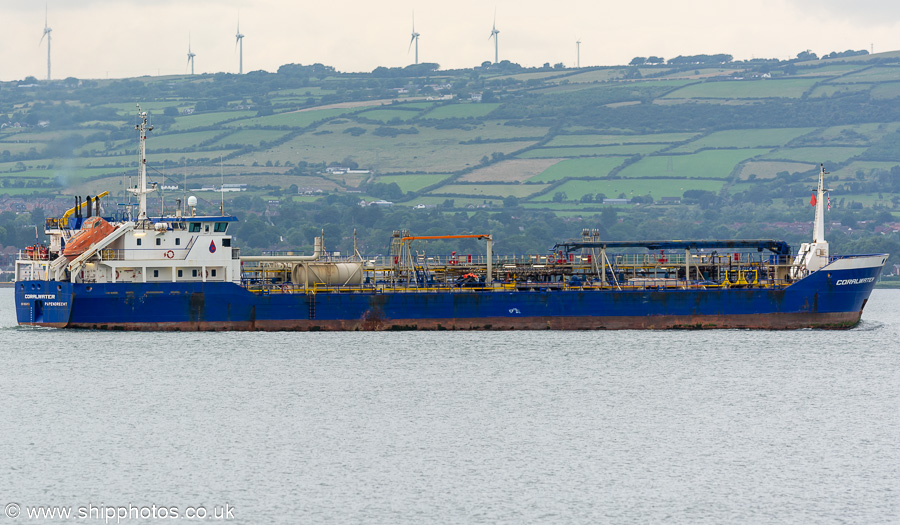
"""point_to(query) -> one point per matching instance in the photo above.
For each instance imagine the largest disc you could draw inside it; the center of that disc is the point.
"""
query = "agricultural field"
(746, 89)
(712, 164)
(17, 148)
(852, 135)
(744, 138)
(386, 115)
(579, 169)
(817, 155)
(490, 190)
(849, 172)
(597, 75)
(886, 91)
(252, 137)
(461, 110)
(161, 140)
(293, 119)
(830, 90)
(875, 74)
(606, 140)
(413, 182)
(205, 120)
(758, 170)
(829, 70)
(510, 170)
(429, 150)
(524, 77)
(576, 189)
(591, 151)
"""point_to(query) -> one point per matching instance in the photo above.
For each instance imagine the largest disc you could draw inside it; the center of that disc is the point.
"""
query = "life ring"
(206, 274)
(169, 254)
(117, 275)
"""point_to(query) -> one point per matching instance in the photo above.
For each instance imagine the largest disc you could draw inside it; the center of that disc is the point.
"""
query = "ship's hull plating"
(833, 297)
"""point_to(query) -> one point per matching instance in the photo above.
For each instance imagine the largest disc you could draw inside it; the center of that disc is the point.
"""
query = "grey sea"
(466, 427)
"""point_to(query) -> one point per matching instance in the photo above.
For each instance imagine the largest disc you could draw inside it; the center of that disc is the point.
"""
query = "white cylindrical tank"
(333, 274)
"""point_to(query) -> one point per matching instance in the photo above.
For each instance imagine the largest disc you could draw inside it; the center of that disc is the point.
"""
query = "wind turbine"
(494, 33)
(190, 55)
(578, 53)
(415, 38)
(47, 31)
(239, 39)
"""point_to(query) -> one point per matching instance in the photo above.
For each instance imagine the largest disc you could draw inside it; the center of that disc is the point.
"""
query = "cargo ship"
(180, 271)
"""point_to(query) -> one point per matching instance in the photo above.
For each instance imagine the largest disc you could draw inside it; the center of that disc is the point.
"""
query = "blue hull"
(824, 299)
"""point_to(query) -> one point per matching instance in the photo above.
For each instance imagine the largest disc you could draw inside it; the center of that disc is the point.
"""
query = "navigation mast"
(141, 191)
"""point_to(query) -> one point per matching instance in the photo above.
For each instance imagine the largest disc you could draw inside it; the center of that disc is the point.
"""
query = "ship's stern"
(44, 303)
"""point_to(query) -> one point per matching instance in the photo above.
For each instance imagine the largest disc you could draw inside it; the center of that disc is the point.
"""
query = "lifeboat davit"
(93, 230)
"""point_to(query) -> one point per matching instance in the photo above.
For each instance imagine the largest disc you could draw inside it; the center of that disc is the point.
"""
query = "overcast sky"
(125, 38)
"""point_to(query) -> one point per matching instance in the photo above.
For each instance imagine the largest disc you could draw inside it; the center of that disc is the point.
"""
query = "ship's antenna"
(141, 191)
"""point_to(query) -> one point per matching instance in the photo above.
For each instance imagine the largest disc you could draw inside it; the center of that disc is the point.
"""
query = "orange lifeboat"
(92, 231)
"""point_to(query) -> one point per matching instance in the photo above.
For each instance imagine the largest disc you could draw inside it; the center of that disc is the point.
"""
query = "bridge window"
(195, 227)
(221, 227)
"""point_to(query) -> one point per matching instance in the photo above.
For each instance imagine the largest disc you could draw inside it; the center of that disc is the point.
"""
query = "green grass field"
(744, 89)
(579, 168)
(251, 137)
(830, 90)
(875, 74)
(490, 190)
(458, 202)
(430, 150)
(716, 164)
(575, 189)
(178, 141)
(744, 138)
(886, 91)
(130, 109)
(606, 140)
(413, 182)
(386, 115)
(591, 151)
(461, 110)
(830, 70)
(524, 77)
(17, 148)
(294, 119)
(849, 171)
(816, 155)
(757, 170)
(597, 75)
(203, 120)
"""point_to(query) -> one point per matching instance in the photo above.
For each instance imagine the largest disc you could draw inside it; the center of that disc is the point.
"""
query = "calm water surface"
(523, 427)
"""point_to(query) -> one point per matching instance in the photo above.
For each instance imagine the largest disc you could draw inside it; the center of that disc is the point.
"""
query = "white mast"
(819, 229)
(142, 190)
(813, 256)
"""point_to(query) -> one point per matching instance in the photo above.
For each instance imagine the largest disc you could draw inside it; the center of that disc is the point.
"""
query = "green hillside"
(707, 137)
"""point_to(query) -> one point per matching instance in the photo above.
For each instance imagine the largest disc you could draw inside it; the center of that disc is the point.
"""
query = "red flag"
(812, 201)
